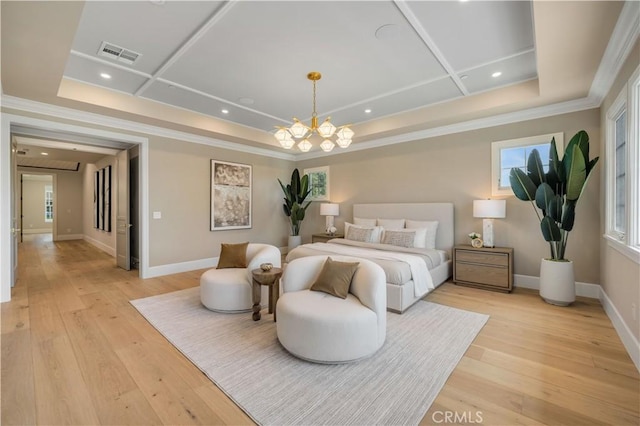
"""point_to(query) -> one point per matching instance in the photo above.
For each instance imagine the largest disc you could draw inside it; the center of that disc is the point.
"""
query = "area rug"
(397, 385)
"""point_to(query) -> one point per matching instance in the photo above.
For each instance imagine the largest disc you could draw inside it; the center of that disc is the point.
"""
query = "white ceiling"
(404, 60)
(251, 58)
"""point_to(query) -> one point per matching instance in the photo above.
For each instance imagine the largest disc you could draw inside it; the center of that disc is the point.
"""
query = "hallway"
(74, 351)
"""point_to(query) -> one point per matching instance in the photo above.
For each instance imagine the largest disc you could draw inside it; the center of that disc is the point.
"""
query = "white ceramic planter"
(557, 283)
(294, 241)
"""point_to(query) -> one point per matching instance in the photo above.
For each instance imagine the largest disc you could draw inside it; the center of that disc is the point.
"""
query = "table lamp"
(329, 210)
(489, 210)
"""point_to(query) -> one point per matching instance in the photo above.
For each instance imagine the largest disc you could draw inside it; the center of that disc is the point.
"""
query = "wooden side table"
(488, 268)
(269, 278)
(323, 238)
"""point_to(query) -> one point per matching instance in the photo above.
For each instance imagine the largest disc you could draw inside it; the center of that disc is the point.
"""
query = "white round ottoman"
(226, 290)
(319, 327)
(230, 289)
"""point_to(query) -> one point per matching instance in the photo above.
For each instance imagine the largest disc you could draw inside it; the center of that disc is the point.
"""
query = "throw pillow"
(233, 256)
(432, 229)
(391, 223)
(364, 222)
(335, 278)
(356, 233)
(399, 238)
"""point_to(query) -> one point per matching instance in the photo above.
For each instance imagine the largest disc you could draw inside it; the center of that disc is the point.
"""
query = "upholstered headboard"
(442, 212)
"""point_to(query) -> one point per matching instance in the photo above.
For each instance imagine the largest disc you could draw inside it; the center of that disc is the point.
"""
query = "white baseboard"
(102, 246)
(629, 341)
(67, 237)
(176, 268)
(37, 231)
(582, 289)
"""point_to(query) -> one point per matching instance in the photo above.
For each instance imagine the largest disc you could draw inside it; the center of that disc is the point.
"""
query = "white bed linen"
(420, 274)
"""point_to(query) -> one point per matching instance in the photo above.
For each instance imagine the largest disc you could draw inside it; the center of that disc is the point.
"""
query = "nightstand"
(487, 268)
(323, 238)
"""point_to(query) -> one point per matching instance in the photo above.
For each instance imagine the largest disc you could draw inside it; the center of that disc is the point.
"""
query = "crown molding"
(481, 123)
(27, 105)
(624, 36)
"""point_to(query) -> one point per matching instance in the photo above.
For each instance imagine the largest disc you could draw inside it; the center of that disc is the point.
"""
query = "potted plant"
(554, 196)
(294, 207)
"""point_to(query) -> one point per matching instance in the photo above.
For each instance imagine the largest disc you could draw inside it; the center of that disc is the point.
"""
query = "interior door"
(15, 212)
(123, 225)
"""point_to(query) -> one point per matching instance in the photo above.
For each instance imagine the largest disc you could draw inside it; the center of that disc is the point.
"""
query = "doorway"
(62, 133)
(36, 206)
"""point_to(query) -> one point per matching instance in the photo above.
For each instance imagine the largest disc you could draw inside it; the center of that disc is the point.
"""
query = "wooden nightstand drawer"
(488, 268)
(484, 258)
(481, 274)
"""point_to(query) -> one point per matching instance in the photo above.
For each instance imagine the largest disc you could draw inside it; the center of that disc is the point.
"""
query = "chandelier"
(287, 135)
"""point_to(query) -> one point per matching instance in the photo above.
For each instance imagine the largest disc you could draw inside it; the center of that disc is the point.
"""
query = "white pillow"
(405, 237)
(432, 230)
(364, 222)
(374, 237)
(391, 223)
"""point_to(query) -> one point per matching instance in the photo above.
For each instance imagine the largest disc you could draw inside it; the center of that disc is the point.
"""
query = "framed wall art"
(102, 199)
(318, 183)
(230, 195)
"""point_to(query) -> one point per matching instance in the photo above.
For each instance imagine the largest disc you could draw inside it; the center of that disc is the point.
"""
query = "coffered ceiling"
(234, 70)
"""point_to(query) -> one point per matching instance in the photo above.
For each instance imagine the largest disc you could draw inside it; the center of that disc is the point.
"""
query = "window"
(48, 203)
(508, 154)
(622, 176)
(318, 183)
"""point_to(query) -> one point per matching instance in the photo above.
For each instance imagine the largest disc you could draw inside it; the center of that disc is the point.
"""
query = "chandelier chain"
(314, 114)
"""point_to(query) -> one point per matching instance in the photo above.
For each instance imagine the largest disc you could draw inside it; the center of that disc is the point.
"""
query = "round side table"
(269, 278)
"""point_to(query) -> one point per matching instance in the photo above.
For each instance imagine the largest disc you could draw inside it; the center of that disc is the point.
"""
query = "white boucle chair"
(229, 290)
(319, 327)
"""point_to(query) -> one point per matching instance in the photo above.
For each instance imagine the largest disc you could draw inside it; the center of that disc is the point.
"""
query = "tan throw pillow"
(233, 256)
(335, 278)
(400, 238)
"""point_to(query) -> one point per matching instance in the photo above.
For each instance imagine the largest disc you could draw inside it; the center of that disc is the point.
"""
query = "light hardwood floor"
(74, 351)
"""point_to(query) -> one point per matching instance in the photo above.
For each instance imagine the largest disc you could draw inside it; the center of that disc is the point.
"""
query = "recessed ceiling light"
(225, 111)
(464, 77)
(105, 75)
(368, 110)
(496, 74)
(171, 86)
(44, 153)
(388, 32)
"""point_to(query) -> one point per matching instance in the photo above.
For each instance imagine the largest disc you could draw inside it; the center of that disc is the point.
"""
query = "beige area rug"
(397, 385)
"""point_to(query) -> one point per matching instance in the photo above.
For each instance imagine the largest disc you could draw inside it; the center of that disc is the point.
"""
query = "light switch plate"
(157, 215)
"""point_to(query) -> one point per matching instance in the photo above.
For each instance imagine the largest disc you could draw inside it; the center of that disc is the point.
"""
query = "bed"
(411, 272)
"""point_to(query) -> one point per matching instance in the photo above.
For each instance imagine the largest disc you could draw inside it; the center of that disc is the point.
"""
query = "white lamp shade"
(298, 130)
(329, 209)
(490, 209)
(305, 145)
(326, 129)
(327, 145)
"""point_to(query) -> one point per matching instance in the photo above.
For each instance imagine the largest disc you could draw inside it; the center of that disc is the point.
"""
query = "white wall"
(33, 204)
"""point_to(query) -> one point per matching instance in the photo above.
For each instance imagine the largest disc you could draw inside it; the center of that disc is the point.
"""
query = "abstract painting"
(230, 196)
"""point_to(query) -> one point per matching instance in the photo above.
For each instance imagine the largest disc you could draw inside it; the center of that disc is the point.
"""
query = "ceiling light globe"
(343, 143)
(298, 130)
(327, 145)
(326, 129)
(305, 145)
(345, 133)
(284, 137)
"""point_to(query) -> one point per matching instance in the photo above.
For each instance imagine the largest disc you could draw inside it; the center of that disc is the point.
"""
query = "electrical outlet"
(634, 312)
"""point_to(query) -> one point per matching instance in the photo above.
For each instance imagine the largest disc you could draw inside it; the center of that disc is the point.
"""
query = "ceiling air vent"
(118, 53)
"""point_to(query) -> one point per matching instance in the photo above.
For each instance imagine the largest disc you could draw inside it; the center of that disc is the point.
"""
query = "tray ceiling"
(251, 58)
